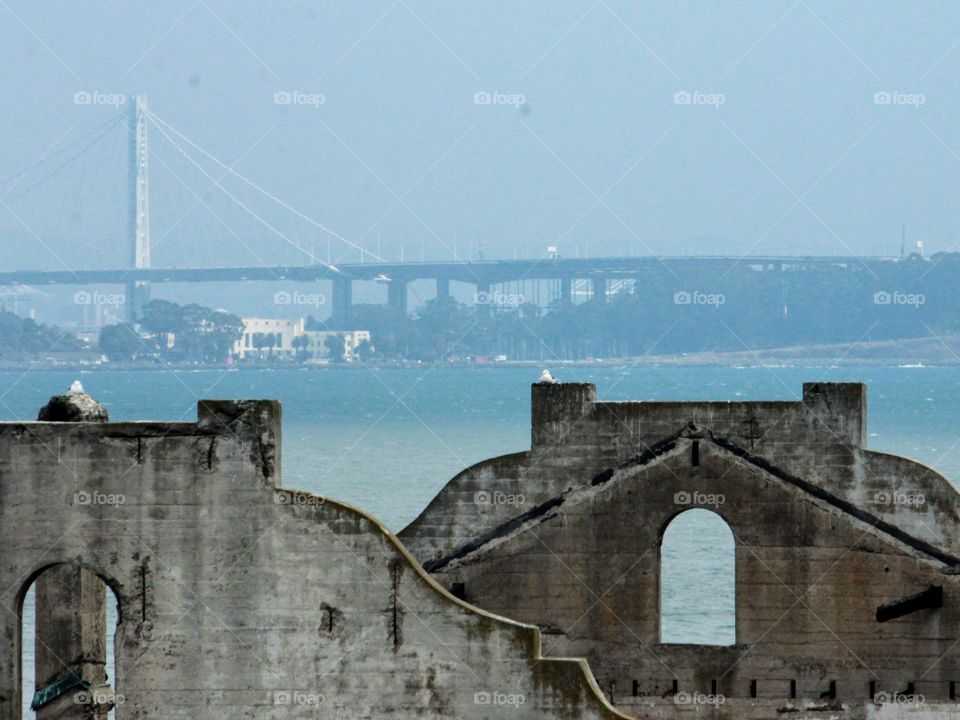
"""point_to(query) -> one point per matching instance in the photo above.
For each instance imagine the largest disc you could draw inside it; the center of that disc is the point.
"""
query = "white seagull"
(75, 388)
(546, 377)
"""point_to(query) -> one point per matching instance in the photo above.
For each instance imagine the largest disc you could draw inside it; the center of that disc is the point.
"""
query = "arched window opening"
(698, 580)
(69, 620)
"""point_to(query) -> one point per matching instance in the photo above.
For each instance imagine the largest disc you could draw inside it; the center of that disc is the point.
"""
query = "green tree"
(365, 351)
(259, 342)
(121, 342)
(198, 332)
(23, 335)
(300, 343)
(164, 319)
(335, 347)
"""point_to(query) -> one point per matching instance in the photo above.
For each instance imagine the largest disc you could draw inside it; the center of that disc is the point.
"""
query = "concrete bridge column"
(137, 295)
(397, 296)
(342, 300)
(443, 288)
(599, 289)
(566, 291)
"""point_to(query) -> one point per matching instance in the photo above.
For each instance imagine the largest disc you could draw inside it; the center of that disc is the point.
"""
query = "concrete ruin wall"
(820, 438)
(816, 554)
(240, 599)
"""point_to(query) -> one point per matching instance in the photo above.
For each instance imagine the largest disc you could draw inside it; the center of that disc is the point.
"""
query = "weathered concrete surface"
(816, 553)
(71, 611)
(574, 436)
(241, 599)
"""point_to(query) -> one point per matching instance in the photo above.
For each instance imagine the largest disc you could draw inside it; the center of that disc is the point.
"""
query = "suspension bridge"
(566, 278)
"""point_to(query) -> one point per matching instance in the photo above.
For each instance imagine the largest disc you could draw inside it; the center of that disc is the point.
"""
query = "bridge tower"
(138, 291)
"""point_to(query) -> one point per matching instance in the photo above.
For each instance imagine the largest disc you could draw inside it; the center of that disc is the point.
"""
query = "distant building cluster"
(276, 337)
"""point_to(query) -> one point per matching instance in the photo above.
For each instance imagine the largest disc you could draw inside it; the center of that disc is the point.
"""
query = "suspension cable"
(159, 121)
(104, 129)
(235, 199)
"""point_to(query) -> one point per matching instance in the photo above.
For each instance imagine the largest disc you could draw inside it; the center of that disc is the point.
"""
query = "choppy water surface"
(388, 440)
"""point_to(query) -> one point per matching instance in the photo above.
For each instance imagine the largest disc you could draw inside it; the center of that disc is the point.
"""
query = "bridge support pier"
(566, 291)
(397, 296)
(599, 287)
(342, 300)
(443, 288)
(137, 295)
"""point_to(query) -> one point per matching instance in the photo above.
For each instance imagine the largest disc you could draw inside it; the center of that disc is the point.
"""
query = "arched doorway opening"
(698, 580)
(69, 618)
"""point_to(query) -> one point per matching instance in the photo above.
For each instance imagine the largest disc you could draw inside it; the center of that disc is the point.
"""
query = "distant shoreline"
(919, 352)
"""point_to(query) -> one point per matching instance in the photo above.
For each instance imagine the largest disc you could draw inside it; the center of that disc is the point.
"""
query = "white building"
(263, 337)
(317, 342)
(270, 337)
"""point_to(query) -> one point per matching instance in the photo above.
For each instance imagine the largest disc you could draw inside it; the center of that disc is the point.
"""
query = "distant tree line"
(746, 309)
(20, 335)
(174, 332)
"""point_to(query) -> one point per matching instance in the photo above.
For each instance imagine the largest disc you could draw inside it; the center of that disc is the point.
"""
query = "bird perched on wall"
(75, 388)
(546, 377)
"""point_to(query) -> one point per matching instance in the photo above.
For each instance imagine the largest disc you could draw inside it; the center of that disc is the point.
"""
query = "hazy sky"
(780, 144)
